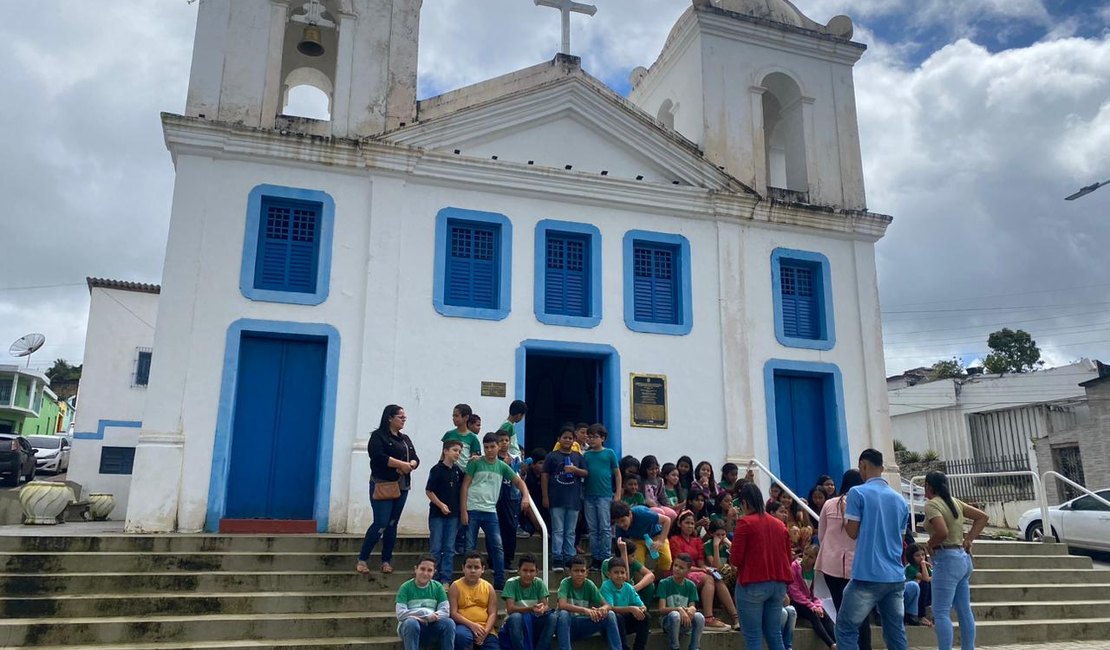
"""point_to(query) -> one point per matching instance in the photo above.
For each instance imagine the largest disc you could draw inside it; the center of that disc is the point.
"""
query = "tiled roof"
(122, 284)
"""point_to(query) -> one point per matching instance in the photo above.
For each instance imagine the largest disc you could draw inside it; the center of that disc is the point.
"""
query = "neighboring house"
(114, 376)
(27, 405)
(1082, 451)
(533, 236)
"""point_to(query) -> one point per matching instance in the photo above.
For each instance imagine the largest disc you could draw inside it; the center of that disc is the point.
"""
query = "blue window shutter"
(473, 265)
(566, 275)
(117, 460)
(800, 315)
(288, 247)
(655, 284)
(142, 369)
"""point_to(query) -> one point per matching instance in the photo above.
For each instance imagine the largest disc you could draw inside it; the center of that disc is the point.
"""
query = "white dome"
(780, 11)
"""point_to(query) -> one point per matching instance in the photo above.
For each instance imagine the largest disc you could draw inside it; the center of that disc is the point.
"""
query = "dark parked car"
(17, 459)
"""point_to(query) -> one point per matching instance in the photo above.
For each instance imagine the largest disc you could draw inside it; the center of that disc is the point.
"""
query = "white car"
(52, 453)
(1083, 522)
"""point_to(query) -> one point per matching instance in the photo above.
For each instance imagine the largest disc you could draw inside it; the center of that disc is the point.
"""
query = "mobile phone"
(716, 574)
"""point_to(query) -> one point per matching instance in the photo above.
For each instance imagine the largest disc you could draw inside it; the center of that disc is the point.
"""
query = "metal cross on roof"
(566, 7)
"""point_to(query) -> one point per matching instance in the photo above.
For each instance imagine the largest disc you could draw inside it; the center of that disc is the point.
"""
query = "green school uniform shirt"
(514, 444)
(626, 596)
(485, 483)
(722, 555)
(427, 597)
(600, 464)
(677, 595)
(587, 595)
(634, 570)
(635, 500)
(470, 446)
(911, 572)
(528, 596)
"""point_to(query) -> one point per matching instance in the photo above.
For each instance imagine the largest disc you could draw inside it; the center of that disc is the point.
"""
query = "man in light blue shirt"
(875, 517)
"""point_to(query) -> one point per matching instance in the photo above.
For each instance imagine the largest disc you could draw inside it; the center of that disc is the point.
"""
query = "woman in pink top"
(834, 560)
(803, 600)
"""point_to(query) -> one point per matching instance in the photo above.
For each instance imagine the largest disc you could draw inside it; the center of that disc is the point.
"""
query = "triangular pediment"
(570, 123)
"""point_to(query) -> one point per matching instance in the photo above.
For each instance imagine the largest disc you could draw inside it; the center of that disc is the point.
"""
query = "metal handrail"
(803, 503)
(1038, 492)
(543, 538)
(1044, 501)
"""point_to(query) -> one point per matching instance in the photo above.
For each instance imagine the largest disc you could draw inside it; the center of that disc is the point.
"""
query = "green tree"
(63, 371)
(947, 369)
(1012, 351)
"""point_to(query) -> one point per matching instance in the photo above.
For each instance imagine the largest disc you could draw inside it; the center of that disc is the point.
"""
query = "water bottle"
(568, 462)
(650, 547)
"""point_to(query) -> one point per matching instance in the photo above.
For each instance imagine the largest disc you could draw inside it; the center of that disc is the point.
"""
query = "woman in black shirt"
(392, 459)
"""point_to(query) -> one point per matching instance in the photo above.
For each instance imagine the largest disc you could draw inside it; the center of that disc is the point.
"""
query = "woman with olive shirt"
(951, 549)
(392, 459)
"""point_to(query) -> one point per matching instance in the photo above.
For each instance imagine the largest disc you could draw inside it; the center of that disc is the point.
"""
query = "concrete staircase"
(204, 591)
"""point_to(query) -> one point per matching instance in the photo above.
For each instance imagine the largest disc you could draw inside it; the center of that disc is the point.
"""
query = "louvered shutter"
(566, 288)
(288, 247)
(473, 265)
(655, 284)
(800, 316)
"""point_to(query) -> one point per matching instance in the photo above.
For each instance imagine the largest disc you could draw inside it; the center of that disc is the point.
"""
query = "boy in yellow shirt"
(473, 607)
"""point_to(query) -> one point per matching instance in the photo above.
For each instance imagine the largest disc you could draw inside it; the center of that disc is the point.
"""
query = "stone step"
(993, 547)
(153, 604)
(1040, 593)
(1023, 610)
(212, 543)
(1032, 562)
(1037, 576)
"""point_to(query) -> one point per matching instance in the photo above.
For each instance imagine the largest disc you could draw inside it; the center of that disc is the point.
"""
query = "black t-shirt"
(446, 483)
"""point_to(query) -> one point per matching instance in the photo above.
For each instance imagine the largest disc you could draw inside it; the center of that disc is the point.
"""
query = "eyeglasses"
(593, 435)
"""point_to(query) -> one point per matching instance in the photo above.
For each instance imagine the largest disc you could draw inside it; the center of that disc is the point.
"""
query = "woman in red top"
(684, 538)
(762, 554)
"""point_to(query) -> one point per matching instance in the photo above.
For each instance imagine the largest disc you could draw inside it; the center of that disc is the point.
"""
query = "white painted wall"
(120, 321)
(397, 348)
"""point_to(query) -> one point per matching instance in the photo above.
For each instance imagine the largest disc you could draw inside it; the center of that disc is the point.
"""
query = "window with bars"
(288, 246)
(141, 376)
(117, 460)
(802, 299)
(472, 265)
(567, 275)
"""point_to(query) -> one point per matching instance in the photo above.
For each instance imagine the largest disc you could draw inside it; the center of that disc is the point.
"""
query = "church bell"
(310, 42)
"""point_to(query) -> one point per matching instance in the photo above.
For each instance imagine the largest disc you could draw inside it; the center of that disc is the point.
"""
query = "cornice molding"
(194, 136)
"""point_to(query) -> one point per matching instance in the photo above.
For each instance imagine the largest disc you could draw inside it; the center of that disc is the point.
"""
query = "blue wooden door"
(800, 419)
(276, 435)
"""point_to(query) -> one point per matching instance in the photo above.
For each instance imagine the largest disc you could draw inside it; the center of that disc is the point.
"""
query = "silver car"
(52, 453)
(1083, 522)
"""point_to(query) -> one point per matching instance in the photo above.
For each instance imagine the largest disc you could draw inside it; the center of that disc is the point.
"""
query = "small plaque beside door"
(648, 394)
(493, 389)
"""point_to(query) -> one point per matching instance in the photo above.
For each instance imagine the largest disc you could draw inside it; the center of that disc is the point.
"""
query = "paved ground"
(1059, 645)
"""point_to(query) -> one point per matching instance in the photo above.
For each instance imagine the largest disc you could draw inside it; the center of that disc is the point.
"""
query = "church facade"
(692, 265)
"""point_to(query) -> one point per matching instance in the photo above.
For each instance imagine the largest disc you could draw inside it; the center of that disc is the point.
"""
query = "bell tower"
(361, 54)
(768, 95)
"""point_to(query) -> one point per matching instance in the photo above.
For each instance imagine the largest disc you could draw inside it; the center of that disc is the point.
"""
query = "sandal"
(717, 623)
(362, 568)
(387, 568)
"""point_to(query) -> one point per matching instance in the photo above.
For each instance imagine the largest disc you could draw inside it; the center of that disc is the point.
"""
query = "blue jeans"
(860, 597)
(789, 620)
(951, 574)
(542, 628)
(464, 640)
(487, 521)
(911, 597)
(443, 531)
(760, 608)
(571, 628)
(672, 627)
(415, 634)
(563, 521)
(601, 530)
(387, 512)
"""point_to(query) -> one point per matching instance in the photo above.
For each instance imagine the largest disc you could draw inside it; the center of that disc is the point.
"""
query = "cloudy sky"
(977, 117)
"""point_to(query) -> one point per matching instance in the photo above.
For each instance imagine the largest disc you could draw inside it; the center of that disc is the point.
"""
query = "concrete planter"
(43, 501)
(101, 505)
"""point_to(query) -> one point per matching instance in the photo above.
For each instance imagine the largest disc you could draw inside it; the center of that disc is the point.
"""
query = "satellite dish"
(27, 345)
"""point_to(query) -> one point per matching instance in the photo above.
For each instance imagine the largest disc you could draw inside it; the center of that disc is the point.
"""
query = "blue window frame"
(802, 289)
(142, 367)
(472, 264)
(287, 247)
(657, 283)
(568, 273)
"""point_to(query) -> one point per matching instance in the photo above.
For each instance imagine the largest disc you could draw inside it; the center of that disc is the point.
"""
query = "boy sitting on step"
(678, 599)
(582, 611)
(632, 615)
(423, 612)
(473, 607)
(531, 621)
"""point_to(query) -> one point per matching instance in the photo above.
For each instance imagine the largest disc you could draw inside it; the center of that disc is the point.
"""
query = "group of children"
(464, 615)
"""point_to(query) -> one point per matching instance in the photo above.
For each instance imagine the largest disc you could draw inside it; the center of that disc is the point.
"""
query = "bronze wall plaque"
(648, 394)
(493, 389)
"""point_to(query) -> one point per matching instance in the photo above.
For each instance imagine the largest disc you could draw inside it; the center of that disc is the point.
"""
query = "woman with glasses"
(392, 459)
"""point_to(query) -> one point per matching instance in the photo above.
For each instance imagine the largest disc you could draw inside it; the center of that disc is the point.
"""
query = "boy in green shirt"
(529, 615)
(631, 491)
(423, 611)
(632, 617)
(644, 577)
(582, 610)
(602, 482)
(471, 448)
(481, 488)
(677, 600)
(517, 410)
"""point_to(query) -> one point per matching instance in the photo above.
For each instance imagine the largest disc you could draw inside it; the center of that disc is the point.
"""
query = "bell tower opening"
(308, 60)
(784, 134)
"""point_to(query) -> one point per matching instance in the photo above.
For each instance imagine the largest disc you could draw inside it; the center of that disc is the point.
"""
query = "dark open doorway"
(560, 389)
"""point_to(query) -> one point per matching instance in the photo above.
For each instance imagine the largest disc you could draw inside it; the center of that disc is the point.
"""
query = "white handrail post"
(804, 504)
(543, 538)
